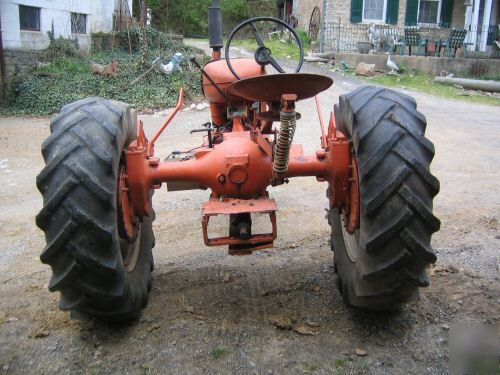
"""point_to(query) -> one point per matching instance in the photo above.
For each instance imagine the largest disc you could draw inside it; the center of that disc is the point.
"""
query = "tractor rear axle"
(238, 171)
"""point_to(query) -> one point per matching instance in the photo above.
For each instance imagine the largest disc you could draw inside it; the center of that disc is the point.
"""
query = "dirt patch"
(277, 311)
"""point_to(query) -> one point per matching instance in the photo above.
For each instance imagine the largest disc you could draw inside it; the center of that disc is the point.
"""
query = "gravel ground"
(213, 313)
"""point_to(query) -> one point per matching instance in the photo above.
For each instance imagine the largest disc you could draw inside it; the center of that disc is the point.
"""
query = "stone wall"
(341, 9)
(19, 63)
(458, 14)
(304, 10)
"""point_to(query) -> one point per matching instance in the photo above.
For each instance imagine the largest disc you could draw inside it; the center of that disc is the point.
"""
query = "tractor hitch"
(241, 241)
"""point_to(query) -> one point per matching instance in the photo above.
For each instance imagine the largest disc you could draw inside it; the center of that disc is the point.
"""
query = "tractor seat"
(270, 88)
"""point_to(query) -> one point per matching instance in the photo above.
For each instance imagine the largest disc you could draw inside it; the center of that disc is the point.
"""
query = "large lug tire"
(383, 263)
(90, 262)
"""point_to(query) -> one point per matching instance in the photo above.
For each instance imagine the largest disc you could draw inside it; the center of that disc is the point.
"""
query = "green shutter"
(411, 12)
(446, 13)
(356, 11)
(391, 15)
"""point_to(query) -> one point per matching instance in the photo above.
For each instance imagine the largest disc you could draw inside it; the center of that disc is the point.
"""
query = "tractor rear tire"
(80, 214)
(383, 263)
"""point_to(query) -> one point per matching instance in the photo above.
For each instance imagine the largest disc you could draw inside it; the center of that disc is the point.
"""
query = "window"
(374, 10)
(428, 11)
(78, 23)
(29, 18)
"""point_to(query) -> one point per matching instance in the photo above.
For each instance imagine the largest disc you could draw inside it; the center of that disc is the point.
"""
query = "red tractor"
(101, 171)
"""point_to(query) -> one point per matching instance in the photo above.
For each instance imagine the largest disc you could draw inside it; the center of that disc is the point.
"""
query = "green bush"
(61, 47)
(304, 38)
(189, 17)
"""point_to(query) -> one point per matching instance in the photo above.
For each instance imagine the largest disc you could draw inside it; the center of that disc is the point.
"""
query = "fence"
(364, 38)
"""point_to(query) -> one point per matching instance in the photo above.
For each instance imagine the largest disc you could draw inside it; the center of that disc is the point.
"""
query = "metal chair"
(454, 42)
(412, 38)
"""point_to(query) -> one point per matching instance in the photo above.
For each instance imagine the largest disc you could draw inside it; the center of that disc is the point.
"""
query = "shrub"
(67, 79)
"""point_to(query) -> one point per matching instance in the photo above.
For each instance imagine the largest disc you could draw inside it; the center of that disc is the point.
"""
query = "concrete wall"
(427, 65)
(99, 19)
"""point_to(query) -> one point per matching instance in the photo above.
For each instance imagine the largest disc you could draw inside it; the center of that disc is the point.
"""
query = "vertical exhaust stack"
(215, 29)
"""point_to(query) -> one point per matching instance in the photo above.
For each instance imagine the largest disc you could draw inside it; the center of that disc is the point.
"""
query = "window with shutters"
(428, 11)
(374, 10)
(29, 18)
(78, 23)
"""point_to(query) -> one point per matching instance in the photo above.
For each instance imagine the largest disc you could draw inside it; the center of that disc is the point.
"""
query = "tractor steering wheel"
(263, 54)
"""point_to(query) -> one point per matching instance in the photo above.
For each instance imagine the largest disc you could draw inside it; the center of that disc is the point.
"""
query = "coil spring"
(284, 142)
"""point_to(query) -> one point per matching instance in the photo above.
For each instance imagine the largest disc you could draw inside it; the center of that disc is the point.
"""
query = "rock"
(202, 106)
(303, 330)
(312, 324)
(154, 328)
(360, 352)
(281, 321)
(364, 69)
(41, 333)
(11, 319)
(418, 356)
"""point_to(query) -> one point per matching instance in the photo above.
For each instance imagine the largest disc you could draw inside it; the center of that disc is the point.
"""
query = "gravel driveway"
(213, 313)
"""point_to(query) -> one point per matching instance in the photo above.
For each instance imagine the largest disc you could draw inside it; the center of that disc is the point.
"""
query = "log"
(315, 59)
(471, 84)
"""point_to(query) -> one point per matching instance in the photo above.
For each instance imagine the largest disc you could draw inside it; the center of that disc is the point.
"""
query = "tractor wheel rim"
(128, 225)
(128, 222)
(130, 252)
(350, 212)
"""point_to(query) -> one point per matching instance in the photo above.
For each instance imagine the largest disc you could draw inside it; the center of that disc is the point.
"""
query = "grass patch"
(219, 352)
(426, 84)
(280, 50)
(340, 363)
(311, 366)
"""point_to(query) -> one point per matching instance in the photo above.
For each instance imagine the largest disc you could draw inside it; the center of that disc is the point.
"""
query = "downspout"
(323, 25)
(3, 72)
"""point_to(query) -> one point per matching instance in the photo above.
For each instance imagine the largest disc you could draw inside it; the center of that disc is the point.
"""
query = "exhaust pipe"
(215, 29)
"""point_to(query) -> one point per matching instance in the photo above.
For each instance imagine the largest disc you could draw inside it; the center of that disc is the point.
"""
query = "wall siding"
(57, 12)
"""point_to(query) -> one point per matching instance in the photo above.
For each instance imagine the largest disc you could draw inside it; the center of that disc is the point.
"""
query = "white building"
(25, 23)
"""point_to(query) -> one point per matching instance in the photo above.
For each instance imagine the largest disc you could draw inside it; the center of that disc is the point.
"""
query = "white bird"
(391, 64)
(172, 65)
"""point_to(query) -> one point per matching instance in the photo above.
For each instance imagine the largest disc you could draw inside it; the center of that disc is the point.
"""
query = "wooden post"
(144, 12)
